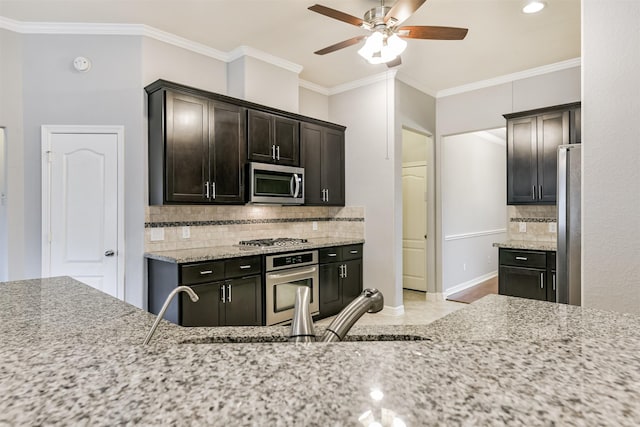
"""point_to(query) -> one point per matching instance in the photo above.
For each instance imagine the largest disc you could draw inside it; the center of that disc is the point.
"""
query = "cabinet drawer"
(351, 252)
(327, 255)
(523, 258)
(201, 272)
(240, 267)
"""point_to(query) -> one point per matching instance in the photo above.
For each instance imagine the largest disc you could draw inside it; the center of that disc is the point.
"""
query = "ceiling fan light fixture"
(396, 44)
(534, 6)
(380, 48)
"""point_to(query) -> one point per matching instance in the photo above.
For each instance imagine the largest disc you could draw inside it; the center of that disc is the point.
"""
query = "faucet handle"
(302, 323)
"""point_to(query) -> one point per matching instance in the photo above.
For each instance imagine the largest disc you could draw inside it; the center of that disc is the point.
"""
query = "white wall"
(168, 62)
(611, 155)
(483, 109)
(313, 104)
(4, 240)
(11, 117)
(370, 171)
(473, 208)
(257, 81)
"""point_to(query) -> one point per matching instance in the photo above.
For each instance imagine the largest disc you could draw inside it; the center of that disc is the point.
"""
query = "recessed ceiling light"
(533, 7)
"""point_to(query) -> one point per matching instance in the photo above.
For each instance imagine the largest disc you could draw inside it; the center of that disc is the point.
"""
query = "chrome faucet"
(192, 295)
(369, 301)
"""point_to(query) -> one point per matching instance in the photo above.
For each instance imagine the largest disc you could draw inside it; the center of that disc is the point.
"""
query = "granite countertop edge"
(213, 253)
(526, 244)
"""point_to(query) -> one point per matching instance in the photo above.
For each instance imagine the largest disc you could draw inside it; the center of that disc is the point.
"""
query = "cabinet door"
(187, 148)
(553, 130)
(243, 304)
(330, 289)
(227, 152)
(260, 137)
(287, 140)
(352, 281)
(310, 160)
(204, 312)
(522, 282)
(521, 161)
(332, 162)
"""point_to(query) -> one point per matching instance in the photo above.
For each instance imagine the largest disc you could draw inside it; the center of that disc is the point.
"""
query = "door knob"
(109, 253)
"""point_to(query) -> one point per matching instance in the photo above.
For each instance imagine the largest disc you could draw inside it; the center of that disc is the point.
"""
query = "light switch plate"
(522, 227)
(157, 234)
(315, 225)
(186, 232)
(553, 227)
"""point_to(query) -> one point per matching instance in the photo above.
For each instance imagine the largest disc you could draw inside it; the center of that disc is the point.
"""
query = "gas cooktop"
(267, 243)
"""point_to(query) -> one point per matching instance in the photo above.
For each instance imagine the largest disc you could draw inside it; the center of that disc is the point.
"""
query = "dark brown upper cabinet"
(322, 156)
(272, 138)
(197, 149)
(533, 138)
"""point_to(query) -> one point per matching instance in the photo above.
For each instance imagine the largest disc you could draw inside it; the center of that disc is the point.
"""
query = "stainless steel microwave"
(277, 184)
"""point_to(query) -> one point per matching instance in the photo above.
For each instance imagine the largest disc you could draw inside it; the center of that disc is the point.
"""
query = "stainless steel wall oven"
(284, 274)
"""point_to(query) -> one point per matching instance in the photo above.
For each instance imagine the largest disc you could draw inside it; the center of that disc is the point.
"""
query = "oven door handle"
(291, 275)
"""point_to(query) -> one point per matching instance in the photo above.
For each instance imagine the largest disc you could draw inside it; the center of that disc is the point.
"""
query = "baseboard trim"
(470, 283)
(393, 311)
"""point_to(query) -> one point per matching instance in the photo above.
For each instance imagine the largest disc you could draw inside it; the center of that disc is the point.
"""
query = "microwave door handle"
(296, 179)
(292, 186)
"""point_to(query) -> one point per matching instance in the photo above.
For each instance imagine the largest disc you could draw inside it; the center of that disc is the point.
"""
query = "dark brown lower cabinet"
(527, 274)
(229, 291)
(340, 277)
(234, 302)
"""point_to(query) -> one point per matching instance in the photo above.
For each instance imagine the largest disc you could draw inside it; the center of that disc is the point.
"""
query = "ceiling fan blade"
(402, 10)
(395, 62)
(338, 46)
(432, 33)
(336, 14)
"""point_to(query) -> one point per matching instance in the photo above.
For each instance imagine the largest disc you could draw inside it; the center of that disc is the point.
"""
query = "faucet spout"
(194, 297)
(302, 323)
(369, 301)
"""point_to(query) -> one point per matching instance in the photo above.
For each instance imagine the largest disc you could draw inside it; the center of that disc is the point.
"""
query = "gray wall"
(370, 174)
(611, 155)
(483, 109)
(109, 94)
(11, 107)
(313, 104)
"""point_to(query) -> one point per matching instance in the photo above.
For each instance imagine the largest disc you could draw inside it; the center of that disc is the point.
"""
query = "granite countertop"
(222, 252)
(72, 355)
(527, 244)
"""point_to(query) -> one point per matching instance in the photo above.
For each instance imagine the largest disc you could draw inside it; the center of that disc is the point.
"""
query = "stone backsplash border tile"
(245, 221)
(533, 220)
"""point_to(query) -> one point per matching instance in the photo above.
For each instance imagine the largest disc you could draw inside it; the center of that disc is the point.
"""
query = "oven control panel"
(295, 259)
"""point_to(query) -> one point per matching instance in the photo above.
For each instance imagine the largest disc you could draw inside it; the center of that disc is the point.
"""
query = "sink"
(285, 339)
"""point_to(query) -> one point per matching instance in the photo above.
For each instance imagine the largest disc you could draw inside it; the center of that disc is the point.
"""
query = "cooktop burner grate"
(263, 243)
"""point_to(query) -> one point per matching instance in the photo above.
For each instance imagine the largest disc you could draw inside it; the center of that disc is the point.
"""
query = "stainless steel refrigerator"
(568, 260)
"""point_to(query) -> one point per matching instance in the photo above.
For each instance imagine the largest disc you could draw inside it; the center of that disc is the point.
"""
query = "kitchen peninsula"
(73, 355)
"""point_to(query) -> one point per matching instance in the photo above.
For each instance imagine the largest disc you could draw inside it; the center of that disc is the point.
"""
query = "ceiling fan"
(386, 42)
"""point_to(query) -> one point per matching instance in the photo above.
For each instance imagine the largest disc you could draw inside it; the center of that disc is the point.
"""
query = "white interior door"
(82, 228)
(414, 226)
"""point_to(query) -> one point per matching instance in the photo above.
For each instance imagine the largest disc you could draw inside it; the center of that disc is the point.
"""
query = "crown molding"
(145, 31)
(416, 85)
(508, 78)
(387, 75)
(263, 56)
(314, 87)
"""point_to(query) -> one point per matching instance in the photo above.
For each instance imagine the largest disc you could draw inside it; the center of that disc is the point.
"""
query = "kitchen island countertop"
(72, 355)
(222, 252)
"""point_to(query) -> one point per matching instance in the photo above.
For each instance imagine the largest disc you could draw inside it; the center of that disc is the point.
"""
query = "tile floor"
(417, 311)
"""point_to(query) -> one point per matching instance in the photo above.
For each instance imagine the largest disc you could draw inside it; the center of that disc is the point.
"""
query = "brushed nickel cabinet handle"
(541, 280)
(533, 192)
(244, 267)
(229, 292)
(205, 272)
(224, 293)
(521, 258)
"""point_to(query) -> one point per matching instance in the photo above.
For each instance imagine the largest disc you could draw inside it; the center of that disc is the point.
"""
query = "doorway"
(83, 205)
(416, 182)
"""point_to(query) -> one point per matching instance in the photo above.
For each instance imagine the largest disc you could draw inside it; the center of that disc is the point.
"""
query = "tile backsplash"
(540, 223)
(186, 227)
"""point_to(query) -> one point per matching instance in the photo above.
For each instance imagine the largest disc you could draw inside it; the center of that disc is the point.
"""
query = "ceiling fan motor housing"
(374, 18)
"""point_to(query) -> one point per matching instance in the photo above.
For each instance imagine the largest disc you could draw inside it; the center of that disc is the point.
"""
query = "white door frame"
(47, 131)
